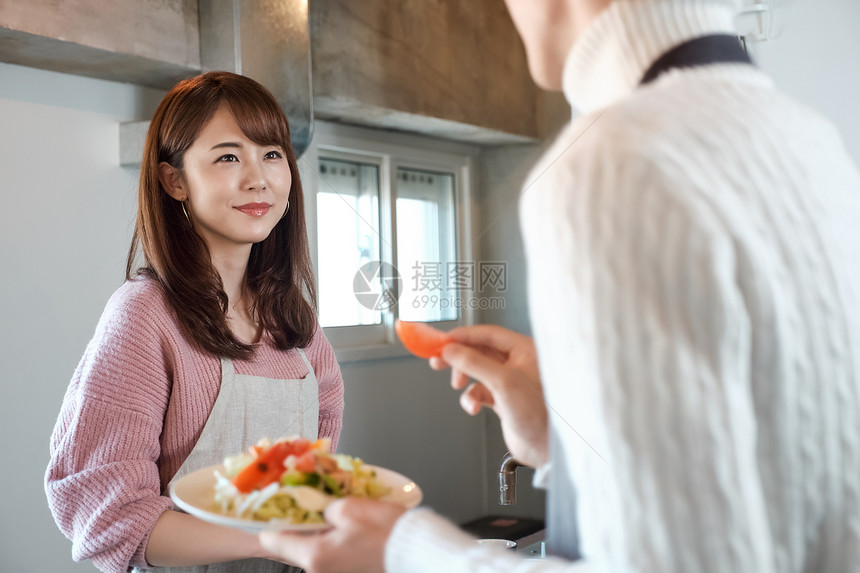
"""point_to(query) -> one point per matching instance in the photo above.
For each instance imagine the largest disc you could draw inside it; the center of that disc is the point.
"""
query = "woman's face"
(237, 191)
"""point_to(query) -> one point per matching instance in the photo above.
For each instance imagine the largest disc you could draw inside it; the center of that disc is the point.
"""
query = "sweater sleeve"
(102, 482)
(424, 542)
(322, 357)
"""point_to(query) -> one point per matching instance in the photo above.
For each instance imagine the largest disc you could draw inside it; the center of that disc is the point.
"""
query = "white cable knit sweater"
(694, 291)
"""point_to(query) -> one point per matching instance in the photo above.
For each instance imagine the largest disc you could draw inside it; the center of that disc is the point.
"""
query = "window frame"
(390, 151)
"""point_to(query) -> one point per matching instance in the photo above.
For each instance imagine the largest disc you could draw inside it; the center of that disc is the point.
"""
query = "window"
(388, 219)
(425, 209)
(347, 237)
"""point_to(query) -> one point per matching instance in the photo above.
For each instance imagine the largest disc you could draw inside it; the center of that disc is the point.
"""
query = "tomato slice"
(300, 446)
(267, 468)
(306, 462)
(420, 338)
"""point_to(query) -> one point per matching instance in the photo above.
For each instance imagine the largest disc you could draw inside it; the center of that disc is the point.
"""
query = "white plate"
(195, 494)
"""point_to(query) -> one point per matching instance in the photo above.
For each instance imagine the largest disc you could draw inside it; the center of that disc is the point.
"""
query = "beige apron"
(249, 408)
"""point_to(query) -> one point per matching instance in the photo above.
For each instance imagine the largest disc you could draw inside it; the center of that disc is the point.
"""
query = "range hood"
(266, 40)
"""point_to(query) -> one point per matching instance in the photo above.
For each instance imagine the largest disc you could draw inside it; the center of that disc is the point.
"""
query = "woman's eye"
(274, 155)
(228, 158)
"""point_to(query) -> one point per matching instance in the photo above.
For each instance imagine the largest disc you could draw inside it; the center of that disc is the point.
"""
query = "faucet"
(508, 480)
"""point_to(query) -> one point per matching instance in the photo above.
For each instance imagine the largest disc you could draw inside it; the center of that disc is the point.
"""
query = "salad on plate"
(291, 480)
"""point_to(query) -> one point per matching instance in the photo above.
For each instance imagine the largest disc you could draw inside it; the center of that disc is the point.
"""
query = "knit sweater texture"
(133, 411)
(694, 292)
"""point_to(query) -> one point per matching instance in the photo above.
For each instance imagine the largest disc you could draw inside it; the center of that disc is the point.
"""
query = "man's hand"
(505, 366)
(356, 542)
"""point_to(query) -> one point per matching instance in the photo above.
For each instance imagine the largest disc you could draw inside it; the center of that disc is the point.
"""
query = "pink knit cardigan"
(133, 411)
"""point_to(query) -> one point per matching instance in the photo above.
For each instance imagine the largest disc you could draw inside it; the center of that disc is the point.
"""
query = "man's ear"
(171, 180)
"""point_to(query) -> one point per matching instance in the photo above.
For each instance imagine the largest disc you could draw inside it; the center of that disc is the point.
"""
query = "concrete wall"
(64, 235)
(148, 42)
(460, 62)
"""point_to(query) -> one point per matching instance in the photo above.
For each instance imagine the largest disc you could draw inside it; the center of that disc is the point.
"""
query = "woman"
(211, 345)
(695, 298)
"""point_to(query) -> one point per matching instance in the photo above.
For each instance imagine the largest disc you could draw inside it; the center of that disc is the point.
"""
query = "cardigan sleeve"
(102, 481)
(330, 381)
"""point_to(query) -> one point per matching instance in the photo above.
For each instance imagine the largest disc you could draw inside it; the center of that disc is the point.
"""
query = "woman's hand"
(356, 543)
(505, 367)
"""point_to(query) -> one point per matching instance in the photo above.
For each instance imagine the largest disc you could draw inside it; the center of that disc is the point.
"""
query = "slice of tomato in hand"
(420, 338)
(267, 468)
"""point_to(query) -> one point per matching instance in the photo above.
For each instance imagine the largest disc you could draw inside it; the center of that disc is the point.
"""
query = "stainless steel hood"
(266, 40)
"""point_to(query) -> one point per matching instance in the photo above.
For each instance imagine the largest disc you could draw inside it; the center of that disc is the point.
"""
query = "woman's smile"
(254, 209)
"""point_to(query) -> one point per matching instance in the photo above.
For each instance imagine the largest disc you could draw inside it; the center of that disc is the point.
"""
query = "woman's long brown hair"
(279, 278)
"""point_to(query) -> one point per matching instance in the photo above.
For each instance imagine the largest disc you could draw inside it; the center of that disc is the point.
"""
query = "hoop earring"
(184, 210)
(288, 209)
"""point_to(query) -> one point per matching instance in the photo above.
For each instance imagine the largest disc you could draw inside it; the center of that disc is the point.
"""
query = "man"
(695, 306)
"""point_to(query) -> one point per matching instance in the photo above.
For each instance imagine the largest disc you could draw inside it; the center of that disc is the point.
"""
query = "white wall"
(816, 59)
(65, 225)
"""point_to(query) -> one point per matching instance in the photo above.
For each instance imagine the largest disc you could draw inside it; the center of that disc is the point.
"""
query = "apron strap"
(305, 359)
(715, 49)
(226, 367)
